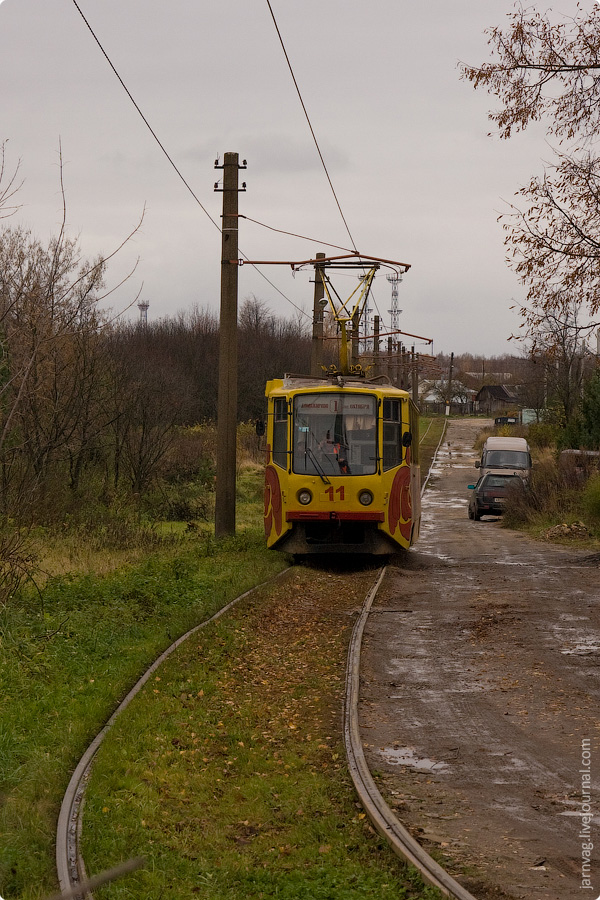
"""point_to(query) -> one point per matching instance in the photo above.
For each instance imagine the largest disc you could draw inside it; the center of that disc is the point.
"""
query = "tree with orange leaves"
(546, 68)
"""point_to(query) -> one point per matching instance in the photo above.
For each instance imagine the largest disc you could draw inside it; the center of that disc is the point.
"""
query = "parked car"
(488, 496)
(503, 454)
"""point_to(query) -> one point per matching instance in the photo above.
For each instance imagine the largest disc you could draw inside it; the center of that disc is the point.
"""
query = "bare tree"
(554, 243)
(546, 67)
(9, 186)
(557, 348)
(148, 400)
(269, 346)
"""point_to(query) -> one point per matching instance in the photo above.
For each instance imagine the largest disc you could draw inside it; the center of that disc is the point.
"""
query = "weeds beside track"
(68, 657)
(228, 772)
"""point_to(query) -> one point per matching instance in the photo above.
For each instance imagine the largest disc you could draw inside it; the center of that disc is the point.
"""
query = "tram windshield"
(335, 434)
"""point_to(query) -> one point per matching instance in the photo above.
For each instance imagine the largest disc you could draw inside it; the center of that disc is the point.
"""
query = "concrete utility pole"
(227, 396)
(449, 400)
(415, 377)
(316, 351)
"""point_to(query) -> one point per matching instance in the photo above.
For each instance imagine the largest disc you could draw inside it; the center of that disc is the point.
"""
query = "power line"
(285, 53)
(143, 117)
(312, 131)
(302, 237)
(168, 156)
(274, 286)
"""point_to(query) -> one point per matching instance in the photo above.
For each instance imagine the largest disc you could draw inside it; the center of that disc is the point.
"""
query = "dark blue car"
(488, 496)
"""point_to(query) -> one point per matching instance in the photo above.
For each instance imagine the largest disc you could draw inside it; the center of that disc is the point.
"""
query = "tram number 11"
(330, 493)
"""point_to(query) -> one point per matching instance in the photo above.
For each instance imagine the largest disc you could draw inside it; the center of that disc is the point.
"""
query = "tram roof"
(299, 383)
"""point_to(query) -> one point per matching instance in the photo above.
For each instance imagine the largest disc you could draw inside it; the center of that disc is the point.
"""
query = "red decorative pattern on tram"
(273, 506)
(400, 506)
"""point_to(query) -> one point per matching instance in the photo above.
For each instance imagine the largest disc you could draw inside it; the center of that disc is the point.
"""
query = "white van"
(505, 455)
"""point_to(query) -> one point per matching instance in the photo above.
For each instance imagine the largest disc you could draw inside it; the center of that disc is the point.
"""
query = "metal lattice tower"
(394, 312)
(143, 308)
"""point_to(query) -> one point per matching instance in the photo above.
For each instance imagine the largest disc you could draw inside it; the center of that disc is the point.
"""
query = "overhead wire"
(169, 157)
(302, 237)
(190, 189)
(143, 117)
(312, 131)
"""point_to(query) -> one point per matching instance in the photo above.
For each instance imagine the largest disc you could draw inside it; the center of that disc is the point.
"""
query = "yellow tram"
(342, 468)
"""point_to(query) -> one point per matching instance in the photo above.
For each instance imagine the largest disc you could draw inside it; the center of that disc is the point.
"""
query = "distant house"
(433, 394)
(493, 398)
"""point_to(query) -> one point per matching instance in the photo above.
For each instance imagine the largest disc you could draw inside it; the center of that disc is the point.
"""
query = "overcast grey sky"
(404, 139)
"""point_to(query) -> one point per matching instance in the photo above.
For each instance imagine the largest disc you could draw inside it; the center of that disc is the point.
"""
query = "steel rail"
(424, 485)
(380, 814)
(423, 436)
(70, 866)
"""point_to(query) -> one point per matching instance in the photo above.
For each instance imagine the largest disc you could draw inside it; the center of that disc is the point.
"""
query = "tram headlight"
(365, 497)
(304, 497)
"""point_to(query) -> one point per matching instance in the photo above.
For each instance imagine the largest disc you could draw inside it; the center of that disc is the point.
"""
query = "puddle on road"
(514, 764)
(447, 502)
(569, 617)
(595, 819)
(574, 641)
(583, 648)
(460, 466)
(514, 809)
(406, 756)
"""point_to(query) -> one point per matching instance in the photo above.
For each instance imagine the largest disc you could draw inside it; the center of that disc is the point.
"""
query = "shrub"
(482, 438)
(192, 454)
(591, 499)
(552, 495)
(543, 434)
(181, 500)
(511, 431)
(18, 562)
(590, 414)
(249, 445)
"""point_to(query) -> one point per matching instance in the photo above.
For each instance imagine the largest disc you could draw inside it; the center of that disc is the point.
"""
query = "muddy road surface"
(480, 696)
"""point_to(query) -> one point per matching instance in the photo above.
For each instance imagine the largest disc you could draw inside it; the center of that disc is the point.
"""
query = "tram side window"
(280, 427)
(392, 434)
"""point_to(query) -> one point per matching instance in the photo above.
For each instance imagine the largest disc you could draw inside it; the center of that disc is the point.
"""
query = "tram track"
(434, 458)
(73, 877)
(71, 870)
(70, 865)
(380, 814)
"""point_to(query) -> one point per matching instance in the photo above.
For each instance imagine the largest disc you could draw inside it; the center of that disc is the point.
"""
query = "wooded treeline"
(94, 405)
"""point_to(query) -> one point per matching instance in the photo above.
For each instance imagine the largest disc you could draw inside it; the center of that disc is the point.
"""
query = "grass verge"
(228, 773)
(69, 654)
(562, 503)
(430, 430)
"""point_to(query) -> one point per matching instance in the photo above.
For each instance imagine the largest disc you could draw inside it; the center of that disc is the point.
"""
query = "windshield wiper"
(317, 466)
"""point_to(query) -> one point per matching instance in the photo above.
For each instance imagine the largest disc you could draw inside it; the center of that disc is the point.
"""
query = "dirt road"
(480, 692)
